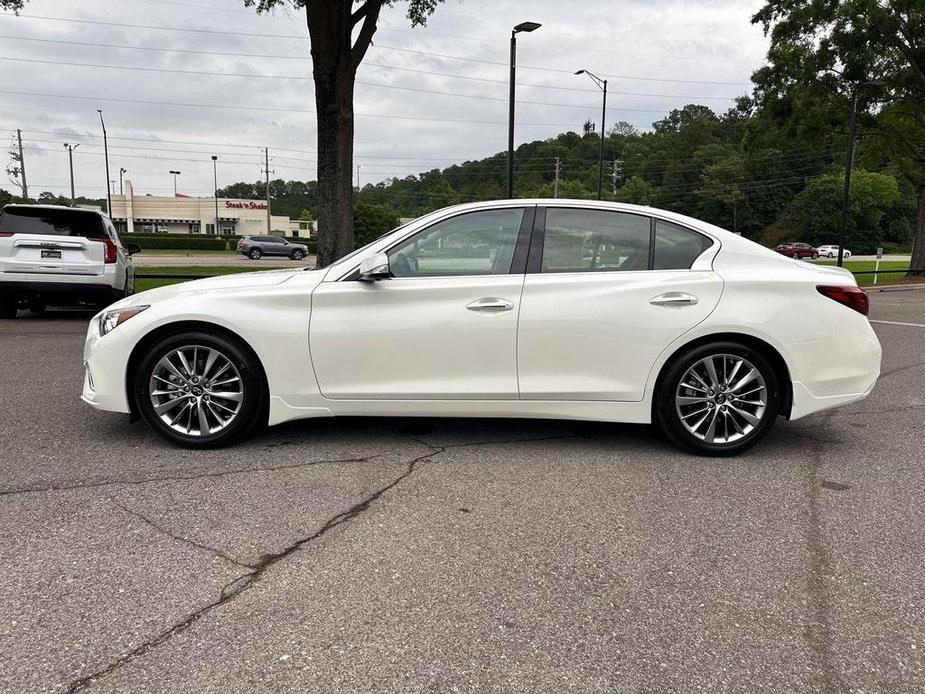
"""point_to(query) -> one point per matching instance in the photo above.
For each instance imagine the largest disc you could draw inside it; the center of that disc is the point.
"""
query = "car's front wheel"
(254, 254)
(297, 255)
(200, 389)
(718, 399)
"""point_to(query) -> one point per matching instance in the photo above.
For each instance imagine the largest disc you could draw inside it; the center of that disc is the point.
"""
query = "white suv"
(61, 255)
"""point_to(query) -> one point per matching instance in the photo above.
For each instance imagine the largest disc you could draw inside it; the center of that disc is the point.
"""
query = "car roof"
(27, 206)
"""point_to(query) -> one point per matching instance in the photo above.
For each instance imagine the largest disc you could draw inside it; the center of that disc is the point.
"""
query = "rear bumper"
(70, 289)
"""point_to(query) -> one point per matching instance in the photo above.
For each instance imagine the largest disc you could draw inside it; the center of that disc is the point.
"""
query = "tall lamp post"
(122, 172)
(527, 27)
(175, 174)
(602, 85)
(106, 152)
(70, 160)
(849, 162)
(215, 178)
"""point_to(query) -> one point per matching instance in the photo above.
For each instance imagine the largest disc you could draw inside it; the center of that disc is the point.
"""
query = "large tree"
(340, 31)
(823, 50)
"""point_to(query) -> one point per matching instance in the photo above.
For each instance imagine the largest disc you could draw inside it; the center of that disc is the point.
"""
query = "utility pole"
(215, 192)
(106, 152)
(556, 190)
(70, 160)
(266, 169)
(22, 166)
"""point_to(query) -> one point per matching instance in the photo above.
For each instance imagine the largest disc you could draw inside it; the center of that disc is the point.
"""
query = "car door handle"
(674, 299)
(490, 304)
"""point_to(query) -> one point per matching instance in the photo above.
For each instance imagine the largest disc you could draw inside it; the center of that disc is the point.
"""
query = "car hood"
(242, 280)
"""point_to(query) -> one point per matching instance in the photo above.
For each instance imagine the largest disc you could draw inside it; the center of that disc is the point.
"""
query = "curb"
(896, 288)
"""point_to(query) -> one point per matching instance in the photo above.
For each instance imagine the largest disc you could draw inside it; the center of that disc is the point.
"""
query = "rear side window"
(25, 220)
(676, 248)
(595, 241)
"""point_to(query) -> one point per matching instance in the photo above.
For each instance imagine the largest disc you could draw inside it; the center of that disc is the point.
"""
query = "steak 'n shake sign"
(245, 205)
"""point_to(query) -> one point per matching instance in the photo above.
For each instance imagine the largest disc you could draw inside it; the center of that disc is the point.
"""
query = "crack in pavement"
(899, 369)
(818, 633)
(182, 478)
(180, 538)
(236, 587)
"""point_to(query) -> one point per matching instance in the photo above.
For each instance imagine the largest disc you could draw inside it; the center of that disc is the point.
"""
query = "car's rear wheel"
(297, 255)
(815, 255)
(200, 389)
(254, 254)
(718, 399)
(796, 256)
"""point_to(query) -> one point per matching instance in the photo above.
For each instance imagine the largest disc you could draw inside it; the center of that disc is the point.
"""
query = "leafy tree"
(815, 212)
(623, 128)
(722, 184)
(340, 36)
(636, 191)
(372, 221)
(822, 51)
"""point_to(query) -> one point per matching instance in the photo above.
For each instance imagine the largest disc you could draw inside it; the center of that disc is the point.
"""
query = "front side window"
(475, 243)
(595, 241)
(676, 247)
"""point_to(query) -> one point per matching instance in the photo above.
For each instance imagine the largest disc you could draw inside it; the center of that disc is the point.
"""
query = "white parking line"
(896, 322)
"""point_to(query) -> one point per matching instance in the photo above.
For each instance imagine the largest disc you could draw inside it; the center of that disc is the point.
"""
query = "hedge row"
(196, 242)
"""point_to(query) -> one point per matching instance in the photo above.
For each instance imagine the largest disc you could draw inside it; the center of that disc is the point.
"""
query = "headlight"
(112, 319)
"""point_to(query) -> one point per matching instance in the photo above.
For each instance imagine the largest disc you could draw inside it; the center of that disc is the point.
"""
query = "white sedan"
(565, 309)
(832, 252)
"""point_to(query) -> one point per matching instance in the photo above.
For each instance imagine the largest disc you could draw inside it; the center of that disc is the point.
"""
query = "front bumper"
(105, 369)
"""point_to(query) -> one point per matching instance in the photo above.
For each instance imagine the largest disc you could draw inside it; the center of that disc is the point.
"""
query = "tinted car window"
(595, 241)
(35, 220)
(676, 248)
(476, 243)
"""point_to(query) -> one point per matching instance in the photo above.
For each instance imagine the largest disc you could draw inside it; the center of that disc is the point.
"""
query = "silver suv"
(255, 247)
(61, 255)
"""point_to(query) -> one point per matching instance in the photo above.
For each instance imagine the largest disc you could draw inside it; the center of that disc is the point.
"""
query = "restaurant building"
(180, 214)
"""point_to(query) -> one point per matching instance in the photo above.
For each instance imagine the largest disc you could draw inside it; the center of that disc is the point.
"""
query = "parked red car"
(797, 250)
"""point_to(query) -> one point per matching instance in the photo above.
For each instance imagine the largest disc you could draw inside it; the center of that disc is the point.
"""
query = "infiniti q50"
(521, 308)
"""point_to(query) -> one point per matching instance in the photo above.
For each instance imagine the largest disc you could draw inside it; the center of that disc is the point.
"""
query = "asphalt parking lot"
(458, 556)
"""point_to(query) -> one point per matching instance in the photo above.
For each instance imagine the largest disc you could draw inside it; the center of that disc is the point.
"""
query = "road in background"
(218, 260)
(390, 555)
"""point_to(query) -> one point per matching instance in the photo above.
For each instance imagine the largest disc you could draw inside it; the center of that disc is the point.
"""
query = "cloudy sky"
(180, 80)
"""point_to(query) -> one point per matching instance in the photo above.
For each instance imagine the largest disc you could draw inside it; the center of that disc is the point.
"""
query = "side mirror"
(375, 267)
(132, 248)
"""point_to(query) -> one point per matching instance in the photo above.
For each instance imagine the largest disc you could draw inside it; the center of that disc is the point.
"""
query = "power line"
(379, 46)
(251, 75)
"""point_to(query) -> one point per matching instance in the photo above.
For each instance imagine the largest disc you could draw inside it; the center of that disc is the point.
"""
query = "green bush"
(184, 242)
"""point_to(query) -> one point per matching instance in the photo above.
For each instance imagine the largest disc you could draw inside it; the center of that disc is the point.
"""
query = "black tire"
(254, 402)
(297, 255)
(669, 420)
(37, 305)
(815, 255)
(254, 254)
(8, 308)
(796, 256)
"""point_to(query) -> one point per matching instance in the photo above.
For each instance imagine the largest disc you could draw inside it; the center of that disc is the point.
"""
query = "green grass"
(181, 252)
(142, 284)
(867, 265)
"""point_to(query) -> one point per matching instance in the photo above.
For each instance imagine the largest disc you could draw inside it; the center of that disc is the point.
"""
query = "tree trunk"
(917, 264)
(334, 64)
(334, 103)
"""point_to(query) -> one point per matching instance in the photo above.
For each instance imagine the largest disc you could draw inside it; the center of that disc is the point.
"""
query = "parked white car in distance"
(569, 309)
(832, 252)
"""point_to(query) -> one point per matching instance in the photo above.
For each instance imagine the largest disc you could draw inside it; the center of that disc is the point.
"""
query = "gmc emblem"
(49, 244)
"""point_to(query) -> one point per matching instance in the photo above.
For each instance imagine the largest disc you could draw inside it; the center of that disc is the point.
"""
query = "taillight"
(109, 254)
(852, 297)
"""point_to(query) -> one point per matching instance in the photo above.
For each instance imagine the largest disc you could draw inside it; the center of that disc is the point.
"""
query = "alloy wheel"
(721, 398)
(196, 390)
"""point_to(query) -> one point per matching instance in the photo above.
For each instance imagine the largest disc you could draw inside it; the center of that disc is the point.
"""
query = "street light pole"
(70, 161)
(602, 85)
(215, 179)
(527, 27)
(122, 172)
(849, 162)
(175, 174)
(106, 153)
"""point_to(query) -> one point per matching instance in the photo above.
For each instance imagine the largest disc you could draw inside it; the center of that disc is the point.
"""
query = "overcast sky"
(656, 55)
